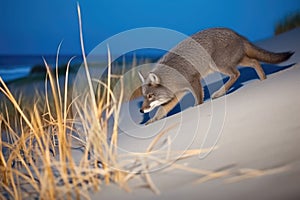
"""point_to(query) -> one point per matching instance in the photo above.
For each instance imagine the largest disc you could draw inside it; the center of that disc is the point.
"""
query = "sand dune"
(253, 134)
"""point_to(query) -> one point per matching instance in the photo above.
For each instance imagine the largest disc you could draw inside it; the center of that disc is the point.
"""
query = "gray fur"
(212, 50)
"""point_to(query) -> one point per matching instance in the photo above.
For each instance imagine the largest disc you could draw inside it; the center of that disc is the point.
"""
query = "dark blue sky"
(38, 26)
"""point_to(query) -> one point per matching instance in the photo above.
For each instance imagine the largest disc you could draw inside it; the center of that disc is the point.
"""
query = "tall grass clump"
(36, 157)
(288, 23)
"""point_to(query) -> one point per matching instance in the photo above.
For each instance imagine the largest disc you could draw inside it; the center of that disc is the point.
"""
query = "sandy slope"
(257, 130)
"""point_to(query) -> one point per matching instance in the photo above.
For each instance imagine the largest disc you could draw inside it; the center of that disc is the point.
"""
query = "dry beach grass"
(36, 150)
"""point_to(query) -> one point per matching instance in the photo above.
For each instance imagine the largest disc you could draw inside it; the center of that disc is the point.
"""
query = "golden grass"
(36, 146)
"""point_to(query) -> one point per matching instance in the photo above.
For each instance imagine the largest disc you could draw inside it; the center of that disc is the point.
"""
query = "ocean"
(13, 67)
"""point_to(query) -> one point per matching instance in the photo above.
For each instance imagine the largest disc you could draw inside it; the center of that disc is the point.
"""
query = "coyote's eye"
(150, 96)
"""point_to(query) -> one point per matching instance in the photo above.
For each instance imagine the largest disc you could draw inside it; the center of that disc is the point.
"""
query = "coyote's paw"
(150, 121)
(217, 94)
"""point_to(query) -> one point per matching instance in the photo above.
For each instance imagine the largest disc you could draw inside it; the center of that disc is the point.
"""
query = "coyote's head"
(155, 94)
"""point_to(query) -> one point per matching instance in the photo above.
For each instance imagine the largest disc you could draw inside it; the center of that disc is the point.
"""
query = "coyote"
(181, 69)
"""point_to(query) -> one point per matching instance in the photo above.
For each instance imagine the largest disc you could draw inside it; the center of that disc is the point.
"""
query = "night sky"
(38, 26)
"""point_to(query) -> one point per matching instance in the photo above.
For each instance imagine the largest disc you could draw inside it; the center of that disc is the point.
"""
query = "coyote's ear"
(154, 78)
(141, 77)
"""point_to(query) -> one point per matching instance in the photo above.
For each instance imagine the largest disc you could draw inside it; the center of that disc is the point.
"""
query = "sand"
(253, 134)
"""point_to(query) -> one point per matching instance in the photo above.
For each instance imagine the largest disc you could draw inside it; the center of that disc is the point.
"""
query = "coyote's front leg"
(163, 110)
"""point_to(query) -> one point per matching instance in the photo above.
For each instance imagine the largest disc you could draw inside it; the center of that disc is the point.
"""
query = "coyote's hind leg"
(233, 74)
(250, 62)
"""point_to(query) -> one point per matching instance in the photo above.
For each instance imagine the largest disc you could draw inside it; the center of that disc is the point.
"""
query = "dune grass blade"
(90, 85)
(11, 98)
(56, 72)
(290, 22)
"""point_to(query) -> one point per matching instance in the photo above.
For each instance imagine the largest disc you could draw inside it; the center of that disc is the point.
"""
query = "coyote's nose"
(141, 110)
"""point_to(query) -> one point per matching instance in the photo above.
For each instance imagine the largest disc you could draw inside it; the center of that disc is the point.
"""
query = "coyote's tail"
(260, 54)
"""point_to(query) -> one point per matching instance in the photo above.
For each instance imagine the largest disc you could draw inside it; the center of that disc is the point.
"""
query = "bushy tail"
(260, 54)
